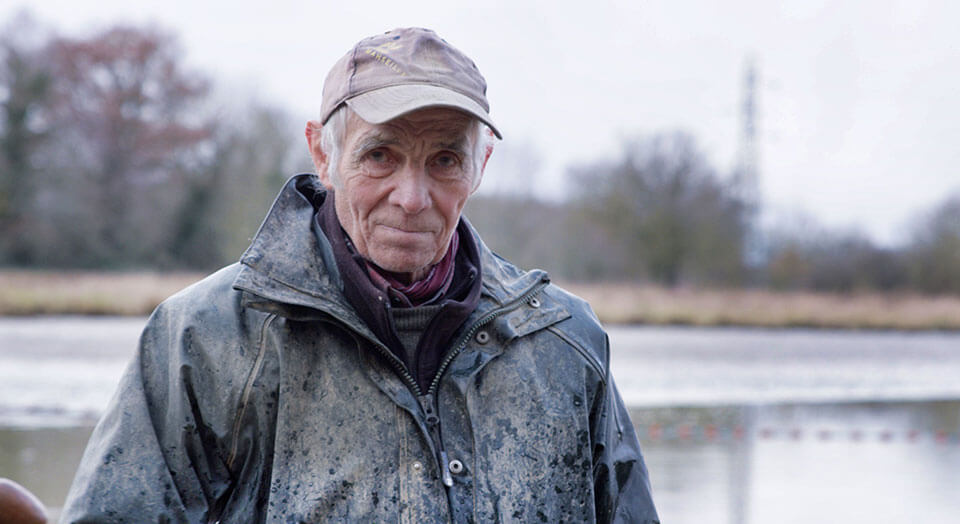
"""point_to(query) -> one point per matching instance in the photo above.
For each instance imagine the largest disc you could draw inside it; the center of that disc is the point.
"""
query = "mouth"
(406, 232)
(407, 228)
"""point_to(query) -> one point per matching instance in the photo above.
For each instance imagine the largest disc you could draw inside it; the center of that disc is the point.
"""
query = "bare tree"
(113, 154)
(124, 117)
(24, 91)
(809, 256)
(254, 152)
(934, 254)
(665, 213)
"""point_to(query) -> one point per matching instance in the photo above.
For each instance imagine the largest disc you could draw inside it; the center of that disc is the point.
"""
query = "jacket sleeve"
(152, 458)
(621, 484)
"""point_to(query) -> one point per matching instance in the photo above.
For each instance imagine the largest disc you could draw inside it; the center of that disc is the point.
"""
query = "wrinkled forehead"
(433, 125)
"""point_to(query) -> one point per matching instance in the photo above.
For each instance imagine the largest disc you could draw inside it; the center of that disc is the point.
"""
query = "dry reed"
(87, 293)
(644, 304)
(137, 293)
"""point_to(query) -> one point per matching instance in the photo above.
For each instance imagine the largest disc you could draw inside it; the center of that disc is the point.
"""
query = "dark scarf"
(456, 298)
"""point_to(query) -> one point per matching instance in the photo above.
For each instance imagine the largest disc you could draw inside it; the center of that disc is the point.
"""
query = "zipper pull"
(429, 404)
(445, 469)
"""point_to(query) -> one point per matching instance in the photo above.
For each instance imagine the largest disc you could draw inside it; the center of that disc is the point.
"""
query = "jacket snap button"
(483, 337)
(417, 466)
(534, 302)
(456, 467)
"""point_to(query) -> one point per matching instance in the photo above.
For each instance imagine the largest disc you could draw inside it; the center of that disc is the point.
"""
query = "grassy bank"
(137, 293)
(639, 304)
(87, 293)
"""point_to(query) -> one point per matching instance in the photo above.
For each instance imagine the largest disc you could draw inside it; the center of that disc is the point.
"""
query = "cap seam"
(353, 71)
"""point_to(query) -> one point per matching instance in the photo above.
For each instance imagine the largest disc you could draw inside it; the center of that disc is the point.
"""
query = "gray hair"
(334, 131)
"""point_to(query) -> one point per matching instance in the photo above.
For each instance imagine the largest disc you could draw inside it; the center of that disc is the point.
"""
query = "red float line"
(739, 432)
(685, 432)
(710, 432)
(655, 432)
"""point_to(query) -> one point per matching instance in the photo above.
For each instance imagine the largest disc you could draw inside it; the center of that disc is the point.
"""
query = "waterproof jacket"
(258, 395)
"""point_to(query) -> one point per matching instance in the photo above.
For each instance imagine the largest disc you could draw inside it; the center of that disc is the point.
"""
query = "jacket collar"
(287, 262)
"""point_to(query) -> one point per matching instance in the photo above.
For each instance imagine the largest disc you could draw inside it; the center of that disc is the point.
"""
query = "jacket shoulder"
(574, 321)
(582, 329)
(213, 291)
(209, 314)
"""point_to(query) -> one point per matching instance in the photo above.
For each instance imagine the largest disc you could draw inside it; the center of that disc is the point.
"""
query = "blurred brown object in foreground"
(19, 506)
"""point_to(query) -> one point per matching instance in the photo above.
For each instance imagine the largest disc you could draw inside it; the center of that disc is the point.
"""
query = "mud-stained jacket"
(258, 395)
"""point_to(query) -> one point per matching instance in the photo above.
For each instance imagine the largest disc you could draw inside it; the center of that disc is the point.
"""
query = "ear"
(487, 151)
(319, 157)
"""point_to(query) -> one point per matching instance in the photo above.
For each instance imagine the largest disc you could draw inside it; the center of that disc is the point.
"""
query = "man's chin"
(406, 264)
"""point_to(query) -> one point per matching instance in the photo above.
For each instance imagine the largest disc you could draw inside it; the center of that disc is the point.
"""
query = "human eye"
(379, 161)
(378, 156)
(447, 160)
(446, 163)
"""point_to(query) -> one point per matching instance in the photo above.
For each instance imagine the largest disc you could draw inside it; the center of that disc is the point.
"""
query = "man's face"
(400, 186)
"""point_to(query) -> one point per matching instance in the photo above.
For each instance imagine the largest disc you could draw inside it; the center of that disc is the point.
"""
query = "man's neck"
(403, 278)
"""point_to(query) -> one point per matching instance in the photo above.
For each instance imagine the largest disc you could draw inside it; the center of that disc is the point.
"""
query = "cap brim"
(385, 104)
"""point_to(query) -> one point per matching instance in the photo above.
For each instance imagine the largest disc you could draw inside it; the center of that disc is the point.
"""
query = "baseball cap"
(403, 70)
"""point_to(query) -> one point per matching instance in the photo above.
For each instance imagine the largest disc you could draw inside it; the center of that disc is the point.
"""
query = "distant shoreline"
(645, 304)
(26, 292)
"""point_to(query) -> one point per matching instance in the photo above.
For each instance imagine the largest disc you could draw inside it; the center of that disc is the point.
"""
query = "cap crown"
(403, 57)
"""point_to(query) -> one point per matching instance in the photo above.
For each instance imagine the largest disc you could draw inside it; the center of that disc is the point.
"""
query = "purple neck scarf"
(425, 290)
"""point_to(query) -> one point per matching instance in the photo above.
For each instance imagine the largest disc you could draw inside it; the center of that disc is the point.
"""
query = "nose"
(411, 191)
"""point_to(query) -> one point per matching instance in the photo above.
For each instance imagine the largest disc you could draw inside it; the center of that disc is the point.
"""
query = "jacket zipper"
(399, 367)
(470, 333)
(405, 374)
(430, 403)
(431, 411)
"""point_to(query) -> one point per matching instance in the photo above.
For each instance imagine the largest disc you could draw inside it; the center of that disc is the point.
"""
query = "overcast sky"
(859, 113)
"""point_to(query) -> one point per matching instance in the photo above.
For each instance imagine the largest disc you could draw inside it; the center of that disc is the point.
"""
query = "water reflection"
(775, 437)
(852, 463)
(43, 460)
(757, 464)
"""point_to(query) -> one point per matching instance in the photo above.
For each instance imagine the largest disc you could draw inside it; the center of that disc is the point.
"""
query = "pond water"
(737, 425)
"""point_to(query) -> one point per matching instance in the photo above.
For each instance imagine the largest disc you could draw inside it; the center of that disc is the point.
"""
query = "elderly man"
(369, 359)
